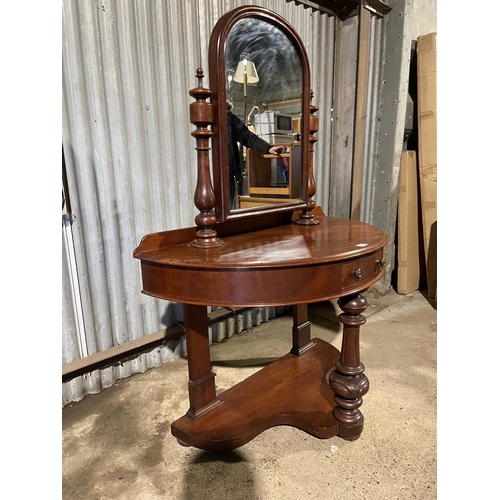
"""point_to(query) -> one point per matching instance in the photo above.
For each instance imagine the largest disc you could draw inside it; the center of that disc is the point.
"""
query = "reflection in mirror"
(264, 104)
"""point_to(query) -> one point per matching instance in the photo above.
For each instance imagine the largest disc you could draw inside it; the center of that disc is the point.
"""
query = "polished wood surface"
(334, 239)
(286, 264)
(246, 201)
(282, 393)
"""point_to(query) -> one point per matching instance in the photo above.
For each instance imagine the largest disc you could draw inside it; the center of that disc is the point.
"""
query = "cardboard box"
(408, 271)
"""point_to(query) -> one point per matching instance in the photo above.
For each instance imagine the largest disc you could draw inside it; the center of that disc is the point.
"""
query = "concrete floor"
(117, 444)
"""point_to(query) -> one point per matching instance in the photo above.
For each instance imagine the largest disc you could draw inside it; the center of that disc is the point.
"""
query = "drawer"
(357, 272)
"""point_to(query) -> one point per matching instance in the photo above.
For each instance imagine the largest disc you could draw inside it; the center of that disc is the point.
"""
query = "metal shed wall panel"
(407, 20)
(343, 117)
(131, 163)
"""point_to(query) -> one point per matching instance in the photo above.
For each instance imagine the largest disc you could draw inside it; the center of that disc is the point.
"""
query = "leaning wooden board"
(427, 149)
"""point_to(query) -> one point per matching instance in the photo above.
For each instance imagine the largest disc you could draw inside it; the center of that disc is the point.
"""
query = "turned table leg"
(347, 379)
(201, 378)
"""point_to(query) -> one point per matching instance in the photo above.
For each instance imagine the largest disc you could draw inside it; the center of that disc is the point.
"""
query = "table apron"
(262, 286)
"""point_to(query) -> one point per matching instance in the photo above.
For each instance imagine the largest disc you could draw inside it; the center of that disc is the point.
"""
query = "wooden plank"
(344, 98)
(124, 351)
(360, 117)
(408, 235)
(271, 191)
(427, 146)
(118, 353)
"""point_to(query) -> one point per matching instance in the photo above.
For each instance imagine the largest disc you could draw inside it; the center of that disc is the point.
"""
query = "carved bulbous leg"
(347, 379)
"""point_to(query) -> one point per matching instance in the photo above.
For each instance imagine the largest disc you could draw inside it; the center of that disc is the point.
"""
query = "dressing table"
(273, 254)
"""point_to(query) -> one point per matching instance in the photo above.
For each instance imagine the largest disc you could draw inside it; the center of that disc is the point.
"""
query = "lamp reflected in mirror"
(246, 73)
(229, 84)
(265, 94)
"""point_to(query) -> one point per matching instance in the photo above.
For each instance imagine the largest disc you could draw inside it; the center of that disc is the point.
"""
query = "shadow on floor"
(223, 474)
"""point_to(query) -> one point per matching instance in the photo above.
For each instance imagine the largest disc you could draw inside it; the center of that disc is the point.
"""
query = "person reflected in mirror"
(283, 164)
(238, 132)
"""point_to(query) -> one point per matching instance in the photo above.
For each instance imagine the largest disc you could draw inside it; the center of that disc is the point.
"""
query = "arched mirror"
(260, 84)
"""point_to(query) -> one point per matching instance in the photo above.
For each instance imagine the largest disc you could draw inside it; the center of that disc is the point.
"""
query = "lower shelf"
(290, 391)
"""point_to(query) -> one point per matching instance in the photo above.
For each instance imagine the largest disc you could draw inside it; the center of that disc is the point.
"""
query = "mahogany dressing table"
(281, 254)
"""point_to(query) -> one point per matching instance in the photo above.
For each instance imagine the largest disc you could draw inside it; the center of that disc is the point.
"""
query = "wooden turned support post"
(306, 218)
(347, 380)
(201, 378)
(202, 115)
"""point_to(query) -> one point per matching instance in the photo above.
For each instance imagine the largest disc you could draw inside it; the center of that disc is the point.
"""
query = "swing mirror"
(260, 80)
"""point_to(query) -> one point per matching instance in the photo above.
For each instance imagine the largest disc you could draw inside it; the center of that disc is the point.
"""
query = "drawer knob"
(382, 262)
(358, 273)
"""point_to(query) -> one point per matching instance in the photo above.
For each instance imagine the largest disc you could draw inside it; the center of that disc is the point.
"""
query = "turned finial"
(202, 115)
(307, 217)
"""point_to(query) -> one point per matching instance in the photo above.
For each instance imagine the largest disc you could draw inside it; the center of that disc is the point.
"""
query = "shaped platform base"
(293, 390)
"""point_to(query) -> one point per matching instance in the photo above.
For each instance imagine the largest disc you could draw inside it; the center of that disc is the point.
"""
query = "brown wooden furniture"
(314, 387)
(247, 201)
(263, 175)
(281, 254)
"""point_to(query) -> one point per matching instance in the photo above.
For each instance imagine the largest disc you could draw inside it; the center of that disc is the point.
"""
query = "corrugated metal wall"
(131, 166)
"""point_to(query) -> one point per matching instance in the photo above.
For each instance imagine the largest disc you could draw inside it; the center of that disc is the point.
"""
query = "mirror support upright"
(306, 218)
(202, 115)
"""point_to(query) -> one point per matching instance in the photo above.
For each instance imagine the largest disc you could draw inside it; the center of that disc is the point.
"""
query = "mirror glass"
(264, 89)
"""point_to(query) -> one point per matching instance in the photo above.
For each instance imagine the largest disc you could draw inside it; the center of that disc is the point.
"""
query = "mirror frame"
(217, 72)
